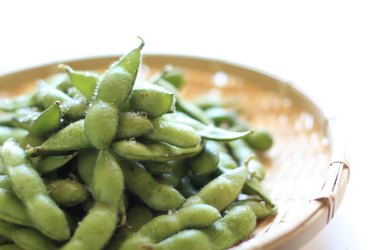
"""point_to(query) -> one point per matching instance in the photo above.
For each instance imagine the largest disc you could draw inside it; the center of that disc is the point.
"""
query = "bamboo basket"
(306, 169)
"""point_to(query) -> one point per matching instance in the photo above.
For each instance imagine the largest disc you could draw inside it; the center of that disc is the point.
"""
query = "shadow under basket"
(306, 170)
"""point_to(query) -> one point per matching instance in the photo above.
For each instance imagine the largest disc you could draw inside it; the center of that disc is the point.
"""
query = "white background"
(324, 47)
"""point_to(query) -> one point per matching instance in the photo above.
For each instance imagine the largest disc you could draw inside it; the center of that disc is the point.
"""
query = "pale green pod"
(152, 99)
(176, 134)
(133, 124)
(161, 227)
(221, 191)
(68, 139)
(30, 189)
(236, 225)
(185, 240)
(12, 210)
(156, 195)
(66, 192)
(155, 151)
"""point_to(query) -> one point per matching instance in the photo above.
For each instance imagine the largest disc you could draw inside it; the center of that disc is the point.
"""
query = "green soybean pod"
(48, 121)
(121, 75)
(254, 187)
(6, 118)
(29, 187)
(191, 239)
(260, 208)
(95, 230)
(47, 95)
(5, 183)
(226, 162)
(236, 225)
(66, 192)
(6, 229)
(174, 76)
(176, 134)
(12, 210)
(173, 178)
(209, 132)
(260, 140)
(159, 168)
(133, 124)
(32, 239)
(206, 162)
(11, 104)
(137, 217)
(241, 151)
(221, 191)
(156, 195)
(48, 163)
(220, 115)
(186, 188)
(68, 139)
(10, 246)
(152, 99)
(9, 132)
(84, 81)
(153, 151)
(85, 166)
(101, 124)
(108, 179)
(161, 227)
(25, 238)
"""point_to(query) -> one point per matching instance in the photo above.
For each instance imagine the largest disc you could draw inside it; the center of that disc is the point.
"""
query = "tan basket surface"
(302, 179)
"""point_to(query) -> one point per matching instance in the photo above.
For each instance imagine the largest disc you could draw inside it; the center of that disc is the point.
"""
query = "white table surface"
(324, 47)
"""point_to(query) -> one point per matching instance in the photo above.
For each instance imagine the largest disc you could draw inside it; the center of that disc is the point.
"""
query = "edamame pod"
(29, 187)
(176, 134)
(260, 140)
(10, 246)
(173, 178)
(242, 152)
(185, 240)
(209, 132)
(5, 183)
(163, 226)
(12, 210)
(236, 225)
(138, 216)
(26, 238)
(120, 77)
(84, 81)
(221, 191)
(260, 208)
(95, 230)
(66, 192)
(11, 104)
(48, 163)
(9, 132)
(156, 195)
(108, 179)
(47, 95)
(154, 151)
(253, 187)
(47, 121)
(32, 239)
(206, 162)
(68, 139)
(174, 76)
(133, 124)
(145, 96)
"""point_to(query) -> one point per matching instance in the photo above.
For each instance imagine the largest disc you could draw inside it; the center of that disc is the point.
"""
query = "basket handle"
(337, 178)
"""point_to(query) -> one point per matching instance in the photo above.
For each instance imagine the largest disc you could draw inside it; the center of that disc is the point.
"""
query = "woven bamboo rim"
(307, 172)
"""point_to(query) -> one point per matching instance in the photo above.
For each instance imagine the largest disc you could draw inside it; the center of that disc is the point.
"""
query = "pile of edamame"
(105, 161)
